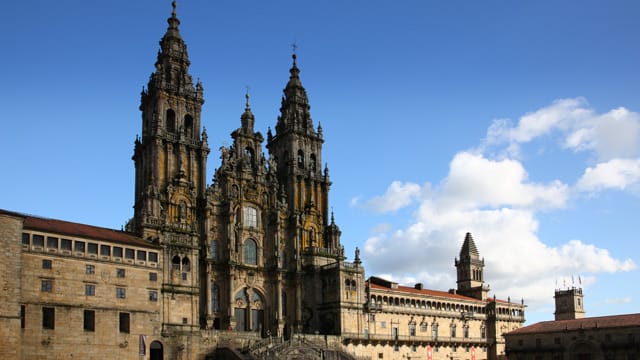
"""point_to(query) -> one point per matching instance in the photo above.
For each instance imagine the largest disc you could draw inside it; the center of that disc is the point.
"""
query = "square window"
(79, 246)
(105, 250)
(90, 269)
(185, 321)
(52, 242)
(117, 251)
(25, 238)
(142, 255)
(120, 273)
(48, 318)
(129, 254)
(46, 285)
(38, 240)
(89, 290)
(47, 264)
(89, 320)
(65, 244)
(153, 257)
(153, 276)
(92, 248)
(153, 295)
(121, 293)
(124, 322)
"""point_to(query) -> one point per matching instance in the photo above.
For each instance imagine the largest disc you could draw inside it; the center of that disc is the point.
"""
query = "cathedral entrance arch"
(155, 351)
(249, 310)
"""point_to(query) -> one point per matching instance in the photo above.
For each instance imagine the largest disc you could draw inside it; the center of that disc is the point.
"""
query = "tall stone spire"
(294, 111)
(471, 270)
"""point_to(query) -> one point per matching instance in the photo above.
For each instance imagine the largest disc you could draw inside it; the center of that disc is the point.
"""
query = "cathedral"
(249, 266)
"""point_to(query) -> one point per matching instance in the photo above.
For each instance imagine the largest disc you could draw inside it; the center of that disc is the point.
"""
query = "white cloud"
(398, 195)
(615, 134)
(495, 200)
(475, 181)
(617, 174)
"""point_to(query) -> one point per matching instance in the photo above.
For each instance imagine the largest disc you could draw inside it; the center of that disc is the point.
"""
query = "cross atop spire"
(173, 5)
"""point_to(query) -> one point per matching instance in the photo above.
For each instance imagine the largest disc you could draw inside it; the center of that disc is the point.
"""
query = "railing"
(410, 338)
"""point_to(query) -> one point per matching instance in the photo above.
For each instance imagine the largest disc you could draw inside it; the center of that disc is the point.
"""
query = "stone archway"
(156, 351)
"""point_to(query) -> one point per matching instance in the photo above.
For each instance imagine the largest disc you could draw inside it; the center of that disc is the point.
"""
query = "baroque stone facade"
(252, 262)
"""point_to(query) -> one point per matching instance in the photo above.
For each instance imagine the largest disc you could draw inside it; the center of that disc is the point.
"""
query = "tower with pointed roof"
(470, 270)
(170, 173)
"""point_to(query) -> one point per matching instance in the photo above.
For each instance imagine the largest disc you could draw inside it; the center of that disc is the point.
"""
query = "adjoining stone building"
(241, 264)
(572, 336)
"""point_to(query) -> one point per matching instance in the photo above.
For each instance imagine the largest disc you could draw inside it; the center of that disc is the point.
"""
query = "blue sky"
(516, 121)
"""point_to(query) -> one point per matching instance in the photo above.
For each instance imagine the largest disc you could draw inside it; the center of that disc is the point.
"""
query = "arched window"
(300, 159)
(215, 298)
(453, 330)
(171, 121)
(250, 252)
(188, 126)
(312, 162)
(248, 152)
(186, 264)
(175, 262)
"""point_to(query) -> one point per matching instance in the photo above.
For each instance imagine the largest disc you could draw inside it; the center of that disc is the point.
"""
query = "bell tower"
(569, 304)
(170, 165)
(296, 148)
(471, 271)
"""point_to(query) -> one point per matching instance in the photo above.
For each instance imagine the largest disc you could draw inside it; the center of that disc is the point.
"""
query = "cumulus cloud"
(398, 195)
(495, 199)
(614, 134)
(617, 174)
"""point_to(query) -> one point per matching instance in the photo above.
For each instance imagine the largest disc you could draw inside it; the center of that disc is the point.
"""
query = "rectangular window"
(38, 240)
(250, 217)
(105, 250)
(121, 293)
(48, 318)
(383, 324)
(120, 273)
(117, 251)
(23, 316)
(412, 329)
(153, 257)
(465, 331)
(79, 246)
(25, 239)
(129, 254)
(453, 331)
(153, 276)
(52, 242)
(65, 244)
(47, 264)
(92, 248)
(46, 285)
(423, 327)
(142, 255)
(90, 269)
(184, 276)
(124, 322)
(89, 320)
(153, 295)
(89, 290)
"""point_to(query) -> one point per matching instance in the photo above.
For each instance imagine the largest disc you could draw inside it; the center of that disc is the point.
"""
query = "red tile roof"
(80, 230)
(612, 321)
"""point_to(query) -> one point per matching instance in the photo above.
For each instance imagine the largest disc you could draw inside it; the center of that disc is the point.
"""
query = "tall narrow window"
(48, 318)
(186, 264)
(215, 298)
(25, 239)
(250, 252)
(171, 121)
(89, 320)
(188, 126)
(214, 250)
(300, 159)
(312, 162)
(23, 316)
(124, 322)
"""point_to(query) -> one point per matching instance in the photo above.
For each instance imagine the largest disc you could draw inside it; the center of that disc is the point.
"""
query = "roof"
(469, 247)
(80, 230)
(601, 322)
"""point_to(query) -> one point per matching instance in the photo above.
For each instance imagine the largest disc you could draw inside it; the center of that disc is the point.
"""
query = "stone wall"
(10, 285)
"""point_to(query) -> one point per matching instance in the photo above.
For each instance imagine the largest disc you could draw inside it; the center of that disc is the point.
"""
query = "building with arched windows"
(238, 264)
